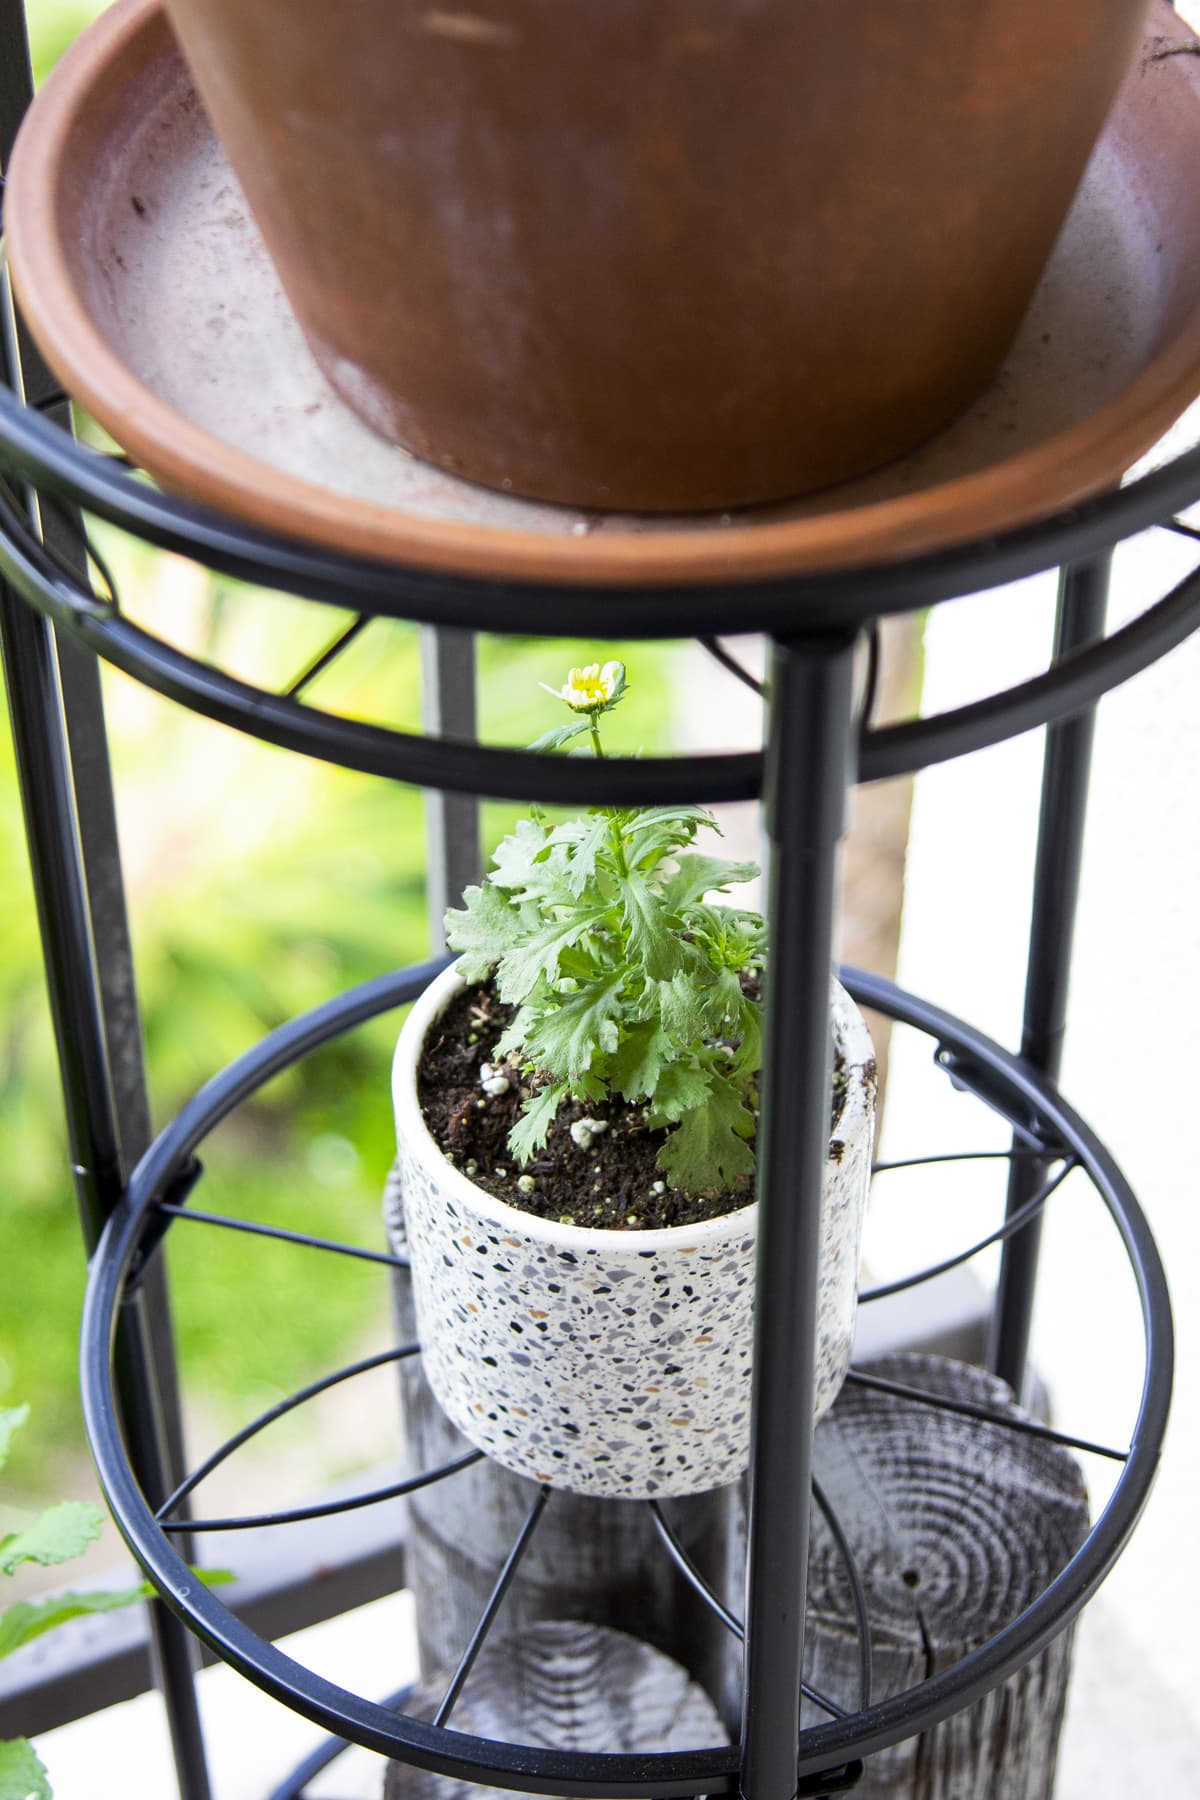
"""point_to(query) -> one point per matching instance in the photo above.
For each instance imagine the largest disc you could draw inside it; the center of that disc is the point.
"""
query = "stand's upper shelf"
(145, 281)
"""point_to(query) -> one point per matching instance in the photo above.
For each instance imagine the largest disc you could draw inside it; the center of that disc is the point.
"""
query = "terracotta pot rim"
(1077, 463)
(853, 1038)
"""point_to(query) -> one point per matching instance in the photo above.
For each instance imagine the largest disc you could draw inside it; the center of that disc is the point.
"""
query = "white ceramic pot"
(612, 1363)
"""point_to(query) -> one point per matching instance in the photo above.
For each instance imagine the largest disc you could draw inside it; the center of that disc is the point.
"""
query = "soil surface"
(612, 1184)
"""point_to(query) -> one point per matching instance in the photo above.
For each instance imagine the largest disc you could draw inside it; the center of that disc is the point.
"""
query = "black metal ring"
(33, 447)
(1009, 1082)
(1070, 685)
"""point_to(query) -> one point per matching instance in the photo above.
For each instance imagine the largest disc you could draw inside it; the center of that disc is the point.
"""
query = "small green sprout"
(627, 980)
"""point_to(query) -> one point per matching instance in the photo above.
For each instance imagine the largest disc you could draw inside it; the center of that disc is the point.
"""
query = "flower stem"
(614, 828)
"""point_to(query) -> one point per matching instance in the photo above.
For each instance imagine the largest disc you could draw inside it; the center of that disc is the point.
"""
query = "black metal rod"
(1082, 604)
(1014, 1222)
(277, 1412)
(700, 1586)
(252, 1229)
(331, 651)
(953, 1156)
(494, 1603)
(808, 771)
(968, 1409)
(259, 1521)
(692, 1575)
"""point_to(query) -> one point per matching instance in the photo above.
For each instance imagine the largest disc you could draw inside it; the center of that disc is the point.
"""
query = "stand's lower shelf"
(1045, 1129)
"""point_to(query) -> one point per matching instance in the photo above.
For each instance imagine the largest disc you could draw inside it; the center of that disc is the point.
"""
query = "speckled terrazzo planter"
(612, 1363)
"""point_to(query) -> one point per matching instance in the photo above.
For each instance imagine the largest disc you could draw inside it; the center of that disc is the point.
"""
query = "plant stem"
(618, 842)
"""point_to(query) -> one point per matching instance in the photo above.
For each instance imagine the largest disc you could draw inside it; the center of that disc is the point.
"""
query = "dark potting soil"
(614, 1184)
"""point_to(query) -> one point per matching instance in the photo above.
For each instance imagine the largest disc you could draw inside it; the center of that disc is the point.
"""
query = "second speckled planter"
(612, 1363)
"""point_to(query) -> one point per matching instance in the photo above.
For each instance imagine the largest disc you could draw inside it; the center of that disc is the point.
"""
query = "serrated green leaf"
(483, 930)
(11, 1420)
(747, 1059)
(700, 875)
(531, 1129)
(650, 941)
(22, 1774)
(681, 1006)
(680, 1088)
(58, 1534)
(562, 734)
(660, 831)
(527, 864)
(539, 951)
(636, 1063)
(584, 839)
(707, 1149)
(569, 1034)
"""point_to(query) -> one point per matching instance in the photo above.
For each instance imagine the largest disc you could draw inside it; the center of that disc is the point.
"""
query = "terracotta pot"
(659, 254)
(613, 1363)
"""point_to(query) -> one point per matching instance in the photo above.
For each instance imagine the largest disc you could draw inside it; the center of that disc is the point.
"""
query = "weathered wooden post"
(956, 1526)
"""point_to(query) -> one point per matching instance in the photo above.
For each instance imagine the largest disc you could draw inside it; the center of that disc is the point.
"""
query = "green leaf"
(58, 1534)
(11, 1420)
(585, 838)
(562, 734)
(707, 1149)
(531, 1129)
(538, 952)
(650, 941)
(636, 1063)
(657, 830)
(22, 1775)
(700, 875)
(525, 862)
(568, 1035)
(483, 930)
(29, 1619)
(681, 1087)
(681, 1004)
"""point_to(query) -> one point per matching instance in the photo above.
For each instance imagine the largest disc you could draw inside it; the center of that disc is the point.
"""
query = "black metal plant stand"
(816, 748)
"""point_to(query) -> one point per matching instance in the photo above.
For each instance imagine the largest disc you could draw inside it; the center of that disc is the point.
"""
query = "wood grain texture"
(564, 1687)
(956, 1526)
(594, 1560)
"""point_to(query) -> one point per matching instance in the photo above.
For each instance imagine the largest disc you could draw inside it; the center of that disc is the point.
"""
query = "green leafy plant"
(56, 1535)
(627, 981)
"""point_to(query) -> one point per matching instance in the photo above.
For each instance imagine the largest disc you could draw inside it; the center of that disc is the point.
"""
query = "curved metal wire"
(167, 1209)
(697, 1582)
(323, 1510)
(858, 1598)
(1014, 1223)
(269, 1417)
(968, 1409)
(494, 1601)
(293, 1784)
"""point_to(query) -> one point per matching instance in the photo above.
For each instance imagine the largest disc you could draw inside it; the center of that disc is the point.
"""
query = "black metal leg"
(808, 769)
(1082, 600)
(46, 794)
(454, 858)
